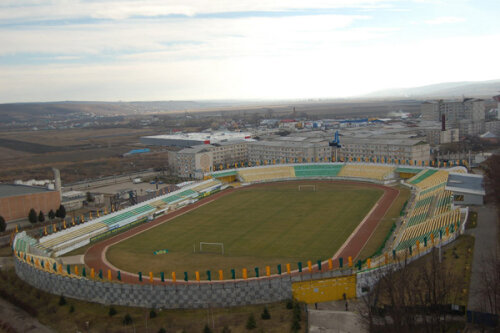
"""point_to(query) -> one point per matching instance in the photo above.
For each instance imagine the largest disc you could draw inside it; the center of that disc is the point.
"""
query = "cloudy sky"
(128, 50)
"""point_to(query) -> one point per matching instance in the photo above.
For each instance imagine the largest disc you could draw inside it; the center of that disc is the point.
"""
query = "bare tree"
(489, 291)
(411, 298)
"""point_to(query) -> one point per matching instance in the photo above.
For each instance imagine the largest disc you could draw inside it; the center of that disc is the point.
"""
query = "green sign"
(160, 252)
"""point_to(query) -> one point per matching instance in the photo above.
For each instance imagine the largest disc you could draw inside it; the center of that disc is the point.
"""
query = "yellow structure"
(221, 275)
(173, 277)
(324, 290)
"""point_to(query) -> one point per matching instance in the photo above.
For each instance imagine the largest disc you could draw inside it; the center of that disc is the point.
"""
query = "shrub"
(265, 314)
(62, 301)
(226, 329)
(152, 314)
(112, 311)
(41, 217)
(297, 312)
(162, 330)
(207, 329)
(251, 324)
(289, 304)
(295, 325)
(32, 216)
(127, 320)
(3, 225)
(71, 308)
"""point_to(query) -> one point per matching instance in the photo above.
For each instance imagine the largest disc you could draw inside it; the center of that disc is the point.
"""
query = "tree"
(409, 298)
(3, 225)
(61, 212)
(251, 324)
(32, 216)
(127, 320)
(207, 329)
(265, 314)
(41, 217)
(112, 311)
(51, 214)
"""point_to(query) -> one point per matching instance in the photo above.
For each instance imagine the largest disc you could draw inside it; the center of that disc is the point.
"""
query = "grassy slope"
(385, 225)
(62, 320)
(258, 226)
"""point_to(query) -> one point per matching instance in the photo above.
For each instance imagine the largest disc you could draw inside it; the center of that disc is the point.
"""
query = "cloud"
(445, 20)
(122, 9)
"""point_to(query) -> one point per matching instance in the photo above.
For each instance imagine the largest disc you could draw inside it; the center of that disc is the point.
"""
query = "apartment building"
(289, 149)
(467, 114)
(384, 149)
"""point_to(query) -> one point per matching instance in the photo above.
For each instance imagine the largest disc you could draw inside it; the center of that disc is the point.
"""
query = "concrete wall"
(18, 207)
(168, 296)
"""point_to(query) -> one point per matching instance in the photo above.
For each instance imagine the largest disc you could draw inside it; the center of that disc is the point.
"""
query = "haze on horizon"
(113, 50)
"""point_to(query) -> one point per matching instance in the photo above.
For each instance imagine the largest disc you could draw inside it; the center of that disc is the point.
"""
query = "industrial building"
(185, 140)
(17, 200)
(437, 136)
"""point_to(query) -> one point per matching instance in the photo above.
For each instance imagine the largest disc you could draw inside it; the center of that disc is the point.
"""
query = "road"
(486, 234)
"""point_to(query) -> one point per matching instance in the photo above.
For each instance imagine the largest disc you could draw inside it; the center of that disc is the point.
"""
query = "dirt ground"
(79, 153)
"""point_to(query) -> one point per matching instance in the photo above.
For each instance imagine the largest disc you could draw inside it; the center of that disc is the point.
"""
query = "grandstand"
(431, 212)
(376, 172)
(429, 178)
(317, 170)
(74, 237)
(436, 226)
(263, 174)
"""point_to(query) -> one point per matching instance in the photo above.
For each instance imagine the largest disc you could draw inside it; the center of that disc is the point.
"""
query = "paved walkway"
(486, 234)
(73, 260)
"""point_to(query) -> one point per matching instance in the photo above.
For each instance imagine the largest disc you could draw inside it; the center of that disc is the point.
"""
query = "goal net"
(311, 188)
(212, 248)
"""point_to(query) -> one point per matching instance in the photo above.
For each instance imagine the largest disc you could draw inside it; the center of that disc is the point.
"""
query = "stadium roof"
(11, 190)
(212, 137)
(465, 183)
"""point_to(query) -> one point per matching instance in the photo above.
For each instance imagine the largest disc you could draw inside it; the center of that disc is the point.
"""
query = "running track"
(95, 256)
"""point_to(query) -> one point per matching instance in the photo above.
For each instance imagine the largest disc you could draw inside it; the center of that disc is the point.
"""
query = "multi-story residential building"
(289, 149)
(225, 153)
(383, 149)
(469, 114)
(191, 162)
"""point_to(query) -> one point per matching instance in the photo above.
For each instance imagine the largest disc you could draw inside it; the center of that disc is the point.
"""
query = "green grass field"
(259, 226)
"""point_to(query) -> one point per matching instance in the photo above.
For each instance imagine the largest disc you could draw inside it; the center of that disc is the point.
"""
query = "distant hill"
(443, 90)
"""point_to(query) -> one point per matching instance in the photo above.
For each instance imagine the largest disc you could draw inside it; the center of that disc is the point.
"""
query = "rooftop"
(382, 141)
(212, 137)
(11, 190)
(465, 183)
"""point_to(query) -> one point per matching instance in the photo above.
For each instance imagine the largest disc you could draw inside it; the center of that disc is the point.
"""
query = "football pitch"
(259, 226)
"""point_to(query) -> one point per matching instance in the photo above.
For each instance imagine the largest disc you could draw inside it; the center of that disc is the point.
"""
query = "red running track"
(95, 256)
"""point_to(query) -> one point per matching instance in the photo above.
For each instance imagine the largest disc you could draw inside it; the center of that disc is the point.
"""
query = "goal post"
(307, 188)
(220, 245)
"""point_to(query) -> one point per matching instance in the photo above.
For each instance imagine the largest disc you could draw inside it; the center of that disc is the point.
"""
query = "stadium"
(249, 235)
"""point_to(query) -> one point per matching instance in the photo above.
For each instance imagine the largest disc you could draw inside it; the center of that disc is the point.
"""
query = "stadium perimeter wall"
(169, 296)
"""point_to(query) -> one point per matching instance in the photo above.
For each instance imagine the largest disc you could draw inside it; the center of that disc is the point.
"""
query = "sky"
(134, 50)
